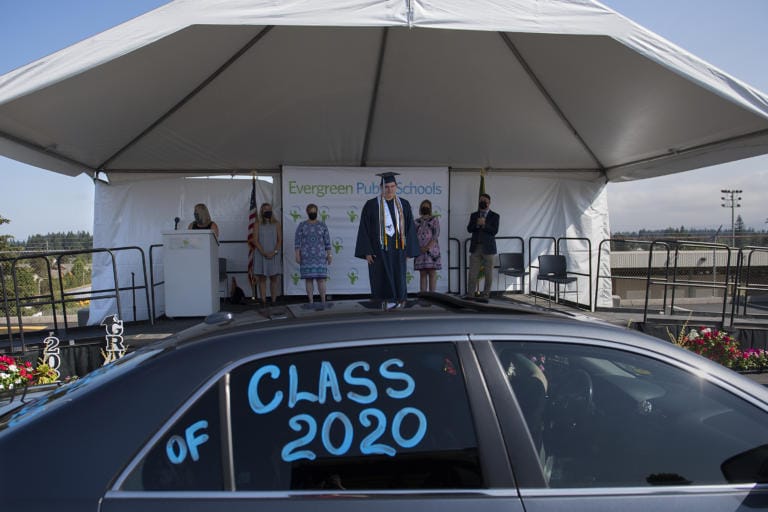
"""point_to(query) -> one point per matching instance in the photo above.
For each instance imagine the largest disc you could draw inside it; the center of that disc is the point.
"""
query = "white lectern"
(191, 268)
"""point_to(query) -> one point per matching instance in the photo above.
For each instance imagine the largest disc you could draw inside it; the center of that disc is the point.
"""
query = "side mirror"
(747, 467)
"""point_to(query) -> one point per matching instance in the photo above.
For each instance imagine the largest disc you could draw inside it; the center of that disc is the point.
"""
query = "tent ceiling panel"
(109, 105)
(626, 106)
(440, 103)
(203, 85)
(292, 98)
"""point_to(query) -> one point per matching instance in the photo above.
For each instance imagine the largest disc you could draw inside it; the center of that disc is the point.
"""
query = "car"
(444, 405)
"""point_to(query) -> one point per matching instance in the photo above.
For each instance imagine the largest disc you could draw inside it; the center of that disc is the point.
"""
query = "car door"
(377, 425)
(613, 427)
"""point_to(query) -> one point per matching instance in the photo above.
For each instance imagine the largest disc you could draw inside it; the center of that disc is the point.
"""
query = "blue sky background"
(731, 34)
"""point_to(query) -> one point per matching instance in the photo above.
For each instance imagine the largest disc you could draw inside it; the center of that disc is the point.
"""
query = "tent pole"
(374, 97)
(47, 151)
(550, 99)
(691, 150)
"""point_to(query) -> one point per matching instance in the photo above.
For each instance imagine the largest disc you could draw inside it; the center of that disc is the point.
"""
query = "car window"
(188, 456)
(602, 417)
(384, 417)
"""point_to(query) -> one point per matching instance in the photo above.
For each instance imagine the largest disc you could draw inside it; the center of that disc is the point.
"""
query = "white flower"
(4, 375)
(693, 334)
(13, 368)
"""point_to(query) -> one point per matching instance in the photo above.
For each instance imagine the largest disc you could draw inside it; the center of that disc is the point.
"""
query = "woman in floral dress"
(428, 261)
(313, 252)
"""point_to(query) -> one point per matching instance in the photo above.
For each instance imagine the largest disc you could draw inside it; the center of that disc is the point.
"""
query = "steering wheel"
(575, 398)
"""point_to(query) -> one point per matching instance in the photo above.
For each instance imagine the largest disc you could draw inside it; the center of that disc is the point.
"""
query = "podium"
(191, 269)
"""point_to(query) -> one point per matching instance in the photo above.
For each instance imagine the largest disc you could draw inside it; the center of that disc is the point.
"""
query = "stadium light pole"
(731, 200)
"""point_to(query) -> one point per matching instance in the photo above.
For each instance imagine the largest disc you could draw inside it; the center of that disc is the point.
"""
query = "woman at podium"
(203, 220)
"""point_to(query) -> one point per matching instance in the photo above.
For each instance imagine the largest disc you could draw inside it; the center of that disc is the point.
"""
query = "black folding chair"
(552, 270)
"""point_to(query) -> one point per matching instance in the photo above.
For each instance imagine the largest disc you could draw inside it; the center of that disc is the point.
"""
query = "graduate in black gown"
(385, 238)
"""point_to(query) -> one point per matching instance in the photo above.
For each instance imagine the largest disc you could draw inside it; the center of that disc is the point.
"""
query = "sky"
(731, 34)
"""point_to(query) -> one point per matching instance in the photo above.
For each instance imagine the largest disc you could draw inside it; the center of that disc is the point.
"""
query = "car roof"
(432, 315)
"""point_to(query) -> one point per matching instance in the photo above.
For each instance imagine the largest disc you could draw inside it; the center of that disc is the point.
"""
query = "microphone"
(176, 223)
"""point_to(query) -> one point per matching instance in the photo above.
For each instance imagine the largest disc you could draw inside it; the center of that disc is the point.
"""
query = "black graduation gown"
(387, 275)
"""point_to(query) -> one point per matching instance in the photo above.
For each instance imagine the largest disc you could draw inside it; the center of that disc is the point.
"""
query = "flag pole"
(481, 270)
(253, 218)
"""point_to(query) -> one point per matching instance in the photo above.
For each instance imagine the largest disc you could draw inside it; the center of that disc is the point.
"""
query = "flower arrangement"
(14, 374)
(722, 348)
(45, 373)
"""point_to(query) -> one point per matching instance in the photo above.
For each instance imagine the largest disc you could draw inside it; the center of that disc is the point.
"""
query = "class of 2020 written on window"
(364, 429)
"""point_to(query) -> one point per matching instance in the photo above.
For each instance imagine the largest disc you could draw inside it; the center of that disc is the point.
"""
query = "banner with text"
(340, 193)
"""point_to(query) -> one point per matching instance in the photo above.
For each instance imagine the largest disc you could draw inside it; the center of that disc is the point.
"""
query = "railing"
(153, 284)
(588, 275)
(743, 273)
(612, 276)
(457, 268)
(531, 252)
(676, 283)
(663, 270)
(18, 301)
(555, 243)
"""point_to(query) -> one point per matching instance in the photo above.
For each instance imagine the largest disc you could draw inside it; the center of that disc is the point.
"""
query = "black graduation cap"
(388, 177)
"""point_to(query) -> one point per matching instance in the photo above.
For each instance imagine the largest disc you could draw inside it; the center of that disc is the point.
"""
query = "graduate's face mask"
(389, 190)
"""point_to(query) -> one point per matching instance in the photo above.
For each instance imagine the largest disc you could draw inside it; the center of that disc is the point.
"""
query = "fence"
(659, 276)
(15, 300)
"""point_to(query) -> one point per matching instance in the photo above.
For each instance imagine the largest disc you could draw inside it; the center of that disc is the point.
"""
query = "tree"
(5, 239)
(738, 228)
(39, 266)
(25, 279)
(78, 271)
(7, 282)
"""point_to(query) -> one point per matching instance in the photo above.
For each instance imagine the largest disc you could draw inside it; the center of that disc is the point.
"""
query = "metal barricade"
(17, 302)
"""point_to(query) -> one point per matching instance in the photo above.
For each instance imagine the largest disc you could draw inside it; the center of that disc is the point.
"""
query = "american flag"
(252, 219)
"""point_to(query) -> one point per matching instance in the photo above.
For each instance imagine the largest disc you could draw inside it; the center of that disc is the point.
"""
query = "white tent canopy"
(200, 86)
(555, 97)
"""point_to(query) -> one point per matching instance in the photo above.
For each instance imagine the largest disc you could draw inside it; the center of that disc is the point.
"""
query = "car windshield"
(27, 409)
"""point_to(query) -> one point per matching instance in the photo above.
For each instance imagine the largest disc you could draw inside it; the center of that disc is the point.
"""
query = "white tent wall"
(530, 205)
(136, 212)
